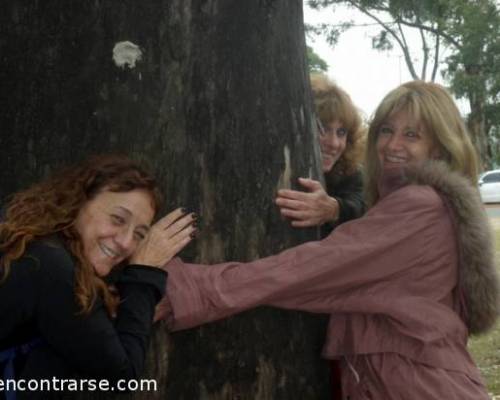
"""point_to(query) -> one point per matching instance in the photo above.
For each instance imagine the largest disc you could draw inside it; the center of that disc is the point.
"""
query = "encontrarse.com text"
(77, 385)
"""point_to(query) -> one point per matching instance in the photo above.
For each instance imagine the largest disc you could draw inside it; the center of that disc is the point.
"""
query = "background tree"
(461, 35)
(315, 62)
(215, 97)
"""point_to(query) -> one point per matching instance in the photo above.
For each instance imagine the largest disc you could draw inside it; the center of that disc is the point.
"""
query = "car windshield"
(481, 175)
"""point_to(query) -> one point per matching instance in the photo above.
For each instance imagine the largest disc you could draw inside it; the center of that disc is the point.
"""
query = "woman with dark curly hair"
(59, 241)
(340, 138)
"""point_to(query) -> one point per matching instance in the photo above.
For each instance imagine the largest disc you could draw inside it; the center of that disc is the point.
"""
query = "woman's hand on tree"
(311, 208)
(165, 239)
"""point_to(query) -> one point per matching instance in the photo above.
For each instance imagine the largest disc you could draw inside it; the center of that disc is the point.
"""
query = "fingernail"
(194, 224)
(193, 234)
(184, 210)
(195, 216)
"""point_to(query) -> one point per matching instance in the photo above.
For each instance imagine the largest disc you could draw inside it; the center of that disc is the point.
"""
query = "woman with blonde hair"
(405, 284)
(59, 242)
(340, 136)
(441, 117)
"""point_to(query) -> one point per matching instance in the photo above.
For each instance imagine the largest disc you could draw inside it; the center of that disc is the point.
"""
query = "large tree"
(214, 95)
(461, 37)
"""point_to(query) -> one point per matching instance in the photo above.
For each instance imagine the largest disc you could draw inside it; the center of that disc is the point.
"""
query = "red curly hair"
(50, 208)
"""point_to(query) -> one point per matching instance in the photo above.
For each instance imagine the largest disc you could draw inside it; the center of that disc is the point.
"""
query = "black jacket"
(348, 191)
(37, 300)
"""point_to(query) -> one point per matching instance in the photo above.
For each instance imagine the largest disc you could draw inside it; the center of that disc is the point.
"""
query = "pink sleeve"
(315, 276)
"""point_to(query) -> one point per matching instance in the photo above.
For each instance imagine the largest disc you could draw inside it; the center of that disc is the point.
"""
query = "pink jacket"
(391, 280)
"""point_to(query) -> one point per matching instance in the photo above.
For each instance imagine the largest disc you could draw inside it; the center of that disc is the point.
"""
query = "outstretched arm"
(315, 276)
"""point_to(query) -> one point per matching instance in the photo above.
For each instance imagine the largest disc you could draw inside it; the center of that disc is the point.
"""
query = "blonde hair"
(431, 105)
(333, 104)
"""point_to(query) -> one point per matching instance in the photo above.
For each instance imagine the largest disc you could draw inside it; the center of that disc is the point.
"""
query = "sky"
(366, 74)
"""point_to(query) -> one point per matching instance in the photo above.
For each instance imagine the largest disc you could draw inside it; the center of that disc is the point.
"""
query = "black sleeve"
(93, 344)
(348, 191)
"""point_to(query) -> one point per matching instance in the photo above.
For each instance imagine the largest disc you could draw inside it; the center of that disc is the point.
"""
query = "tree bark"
(219, 104)
(476, 124)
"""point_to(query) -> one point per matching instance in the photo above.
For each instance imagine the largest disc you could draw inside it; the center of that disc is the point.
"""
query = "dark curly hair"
(50, 208)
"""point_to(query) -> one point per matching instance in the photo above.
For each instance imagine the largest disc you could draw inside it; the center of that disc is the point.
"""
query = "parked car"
(489, 186)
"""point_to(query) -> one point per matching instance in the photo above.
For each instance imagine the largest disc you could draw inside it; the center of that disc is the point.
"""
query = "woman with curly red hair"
(59, 241)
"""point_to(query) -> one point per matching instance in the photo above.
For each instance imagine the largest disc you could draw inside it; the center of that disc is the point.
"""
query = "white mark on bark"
(286, 175)
(126, 54)
(266, 379)
(302, 117)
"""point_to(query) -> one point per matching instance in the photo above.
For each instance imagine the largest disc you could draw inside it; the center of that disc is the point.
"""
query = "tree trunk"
(476, 123)
(214, 95)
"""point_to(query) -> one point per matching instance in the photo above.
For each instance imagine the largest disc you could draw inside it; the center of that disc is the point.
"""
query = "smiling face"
(332, 141)
(111, 226)
(402, 141)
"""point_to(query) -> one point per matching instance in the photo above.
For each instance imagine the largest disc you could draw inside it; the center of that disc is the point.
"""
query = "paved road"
(493, 210)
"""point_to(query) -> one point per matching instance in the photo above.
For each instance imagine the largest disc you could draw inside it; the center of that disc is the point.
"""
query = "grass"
(486, 349)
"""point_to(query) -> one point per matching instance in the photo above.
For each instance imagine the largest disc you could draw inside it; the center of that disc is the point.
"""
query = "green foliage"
(382, 41)
(331, 33)
(470, 32)
(315, 62)
(473, 70)
(485, 349)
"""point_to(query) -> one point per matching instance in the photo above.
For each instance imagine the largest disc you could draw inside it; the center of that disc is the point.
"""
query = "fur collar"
(478, 277)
